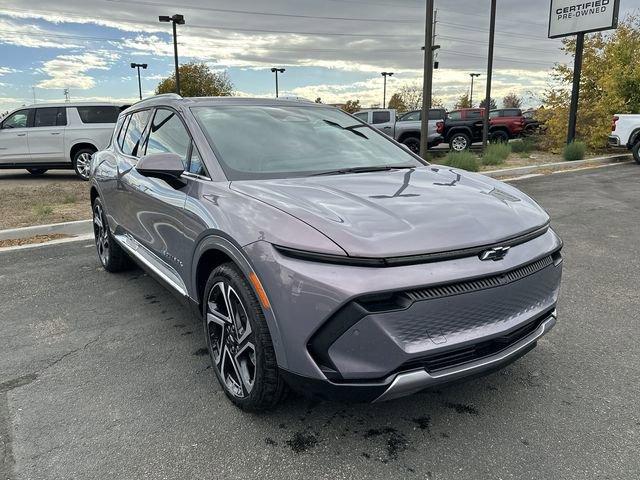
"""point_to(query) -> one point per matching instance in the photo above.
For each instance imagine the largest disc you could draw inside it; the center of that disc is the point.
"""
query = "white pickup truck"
(625, 133)
(56, 136)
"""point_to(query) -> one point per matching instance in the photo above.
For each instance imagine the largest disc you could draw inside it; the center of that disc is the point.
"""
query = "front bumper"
(400, 320)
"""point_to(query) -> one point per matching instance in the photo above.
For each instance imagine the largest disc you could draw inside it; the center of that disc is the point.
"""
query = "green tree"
(511, 100)
(464, 101)
(396, 102)
(197, 80)
(411, 96)
(351, 106)
(492, 103)
(610, 84)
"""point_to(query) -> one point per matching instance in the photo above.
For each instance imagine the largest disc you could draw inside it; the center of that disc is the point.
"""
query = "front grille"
(460, 356)
(481, 284)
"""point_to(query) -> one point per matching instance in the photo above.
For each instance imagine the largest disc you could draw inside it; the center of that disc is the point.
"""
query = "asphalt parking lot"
(105, 376)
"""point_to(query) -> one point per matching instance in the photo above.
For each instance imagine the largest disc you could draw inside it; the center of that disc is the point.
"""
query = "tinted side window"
(437, 114)
(17, 120)
(99, 114)
(455, 116)
(474, 114)
(494, 114)
(133, 135)
(195, 164)
(168, 135)
(50, 117)
(412, 117)
(362, 116)
(123, 130)
(381, 117)
(513, 112)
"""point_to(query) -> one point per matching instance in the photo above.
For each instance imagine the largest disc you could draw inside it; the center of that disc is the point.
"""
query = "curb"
(556, 167)
(79, 227)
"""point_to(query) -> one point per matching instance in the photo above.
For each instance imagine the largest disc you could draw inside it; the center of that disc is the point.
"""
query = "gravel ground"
(105, 376)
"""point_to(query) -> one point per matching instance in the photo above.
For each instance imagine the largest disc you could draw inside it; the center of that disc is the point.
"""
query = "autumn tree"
(411, 96)
(351, 106)
(492, 103)
(511, 100)
(318, 100)
(463, 102)
(198, 80)
(397, 102)
(610, 84)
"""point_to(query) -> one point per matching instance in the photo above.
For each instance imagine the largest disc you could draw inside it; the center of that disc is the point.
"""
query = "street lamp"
(472, 75)
(277, 71)
(138, 66)
(175, 20)
(384, 95)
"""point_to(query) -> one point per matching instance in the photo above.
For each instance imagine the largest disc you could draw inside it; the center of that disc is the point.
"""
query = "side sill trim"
(416, 380)
(149, 260)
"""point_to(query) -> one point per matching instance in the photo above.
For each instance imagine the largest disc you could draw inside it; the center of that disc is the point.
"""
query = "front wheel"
(111, 255)
(239, 342)
(82, 163)
(636, 152)
(37, 171)
(499, 137)
(459, 142)
(413, 143)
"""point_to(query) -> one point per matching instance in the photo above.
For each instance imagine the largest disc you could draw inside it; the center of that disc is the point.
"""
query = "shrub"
(525, 145)
(70, 198)
(574, 151)
(463, 160)
(42, 211)
(496, 154)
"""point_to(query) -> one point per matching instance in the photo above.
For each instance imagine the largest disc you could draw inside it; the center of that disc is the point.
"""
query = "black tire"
(37, 171)
(413, 143)
(499, 136)
(230, 343)
(636, 151)
(81, 162)
(112, 257)
(459, 142)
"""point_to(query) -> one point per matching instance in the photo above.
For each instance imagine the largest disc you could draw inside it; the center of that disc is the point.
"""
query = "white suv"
(51, 136)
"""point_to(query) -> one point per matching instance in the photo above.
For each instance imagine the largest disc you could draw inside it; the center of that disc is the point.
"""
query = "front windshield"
(254, 142)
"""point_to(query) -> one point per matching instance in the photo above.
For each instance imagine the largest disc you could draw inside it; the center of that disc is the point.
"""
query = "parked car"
(407, 128)
(56, 136)
(532, 125)
(625, 133)
(465, 126)
(320, 255)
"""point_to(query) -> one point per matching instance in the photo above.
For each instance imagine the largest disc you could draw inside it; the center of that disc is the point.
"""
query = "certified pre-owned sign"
(569, 17)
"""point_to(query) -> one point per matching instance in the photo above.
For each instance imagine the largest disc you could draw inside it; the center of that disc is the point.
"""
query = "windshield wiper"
(381, 168)
(351, 129)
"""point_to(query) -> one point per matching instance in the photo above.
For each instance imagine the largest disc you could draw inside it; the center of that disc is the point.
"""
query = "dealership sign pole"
(576, 17)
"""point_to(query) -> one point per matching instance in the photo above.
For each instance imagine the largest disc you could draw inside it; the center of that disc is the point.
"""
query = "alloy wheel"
(459, 143)
(83, 164)
(231, 339)
(101, 233)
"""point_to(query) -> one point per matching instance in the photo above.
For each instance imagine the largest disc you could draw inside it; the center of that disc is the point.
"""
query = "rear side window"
(133, 134)
(99, 114)
(512, 112)
(168, 135)
(50, 117)
(381, 117)
(362, 116)
(474, 114)
(412, 117)
(495, 114)
(455, 116)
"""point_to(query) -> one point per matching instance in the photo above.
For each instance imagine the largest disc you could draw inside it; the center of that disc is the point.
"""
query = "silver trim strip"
(145, 256)
(412, 382)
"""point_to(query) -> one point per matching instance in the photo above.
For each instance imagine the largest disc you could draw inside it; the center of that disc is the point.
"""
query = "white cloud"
(32, 36)
(70, 71)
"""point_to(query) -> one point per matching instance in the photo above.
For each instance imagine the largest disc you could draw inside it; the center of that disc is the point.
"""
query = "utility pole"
(138, 66)
(176, 19)
(472, 76)
(34, 94)
(427, 79)
(487, 107)
(575, 93)
(66, 94)
(384, 95)
(277, 71)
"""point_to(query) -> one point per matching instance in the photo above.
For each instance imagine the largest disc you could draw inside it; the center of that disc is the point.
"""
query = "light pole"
(138, 66)
(427, 79)
(472, 75)
(177, 19)
(277, 71)
(384, 94)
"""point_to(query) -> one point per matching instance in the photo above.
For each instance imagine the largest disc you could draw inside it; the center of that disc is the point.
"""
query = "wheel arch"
(215, 249)
(634, 137)
(456, 130)
(79, 146)
(409, 134)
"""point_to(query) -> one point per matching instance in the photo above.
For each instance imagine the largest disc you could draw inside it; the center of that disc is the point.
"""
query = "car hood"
(402, 212)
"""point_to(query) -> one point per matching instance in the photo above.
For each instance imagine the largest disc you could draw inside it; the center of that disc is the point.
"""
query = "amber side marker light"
(262, 295)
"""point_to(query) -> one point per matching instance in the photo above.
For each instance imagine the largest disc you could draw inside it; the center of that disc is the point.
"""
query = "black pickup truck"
(461, 130)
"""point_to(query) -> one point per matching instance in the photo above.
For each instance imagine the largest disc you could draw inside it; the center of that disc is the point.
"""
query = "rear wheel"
(413, 143)
(636, 151)
(36, 171)
(82, 162)
(499, 136)
(111, 255)
(239, 342)
(459, 142)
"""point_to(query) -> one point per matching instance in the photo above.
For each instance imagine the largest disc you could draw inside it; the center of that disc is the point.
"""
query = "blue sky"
(333, 49)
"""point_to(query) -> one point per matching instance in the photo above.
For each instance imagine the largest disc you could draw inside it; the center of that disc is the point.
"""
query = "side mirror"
(166, 166)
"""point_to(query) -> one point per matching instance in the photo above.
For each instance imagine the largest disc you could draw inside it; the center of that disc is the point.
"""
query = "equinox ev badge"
(495, 254)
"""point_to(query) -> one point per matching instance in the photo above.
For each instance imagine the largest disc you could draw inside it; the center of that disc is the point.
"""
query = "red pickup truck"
(504, 124)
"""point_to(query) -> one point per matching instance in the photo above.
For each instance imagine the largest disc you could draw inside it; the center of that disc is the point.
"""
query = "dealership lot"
(104, 376)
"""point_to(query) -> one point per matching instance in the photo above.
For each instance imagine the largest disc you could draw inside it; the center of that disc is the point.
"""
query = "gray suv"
(318, 253)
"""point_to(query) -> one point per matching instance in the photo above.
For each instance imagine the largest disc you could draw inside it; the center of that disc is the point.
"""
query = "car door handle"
(55, 133)
(21, 134)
